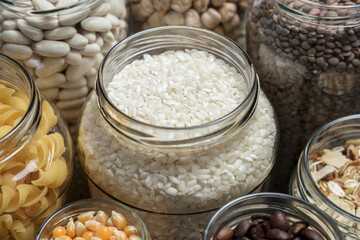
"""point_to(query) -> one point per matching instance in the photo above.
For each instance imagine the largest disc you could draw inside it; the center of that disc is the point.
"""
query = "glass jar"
(295, 209)
(206, 164)
(222, 16)
(74, 209)
(36, 154)
(307, 56)
(302, 183)
(62, 45)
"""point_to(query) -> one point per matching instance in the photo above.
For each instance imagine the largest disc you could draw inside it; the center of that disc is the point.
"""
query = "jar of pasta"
(36, 154)
(93, 217)
(177, 126)
(328, 173)
(61, 43)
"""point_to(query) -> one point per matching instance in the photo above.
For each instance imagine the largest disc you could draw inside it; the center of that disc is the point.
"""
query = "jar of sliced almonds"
(328, 173)
(95, 219)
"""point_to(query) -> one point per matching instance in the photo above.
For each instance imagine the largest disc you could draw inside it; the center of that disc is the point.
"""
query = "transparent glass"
(225, 17)
(62, 46)
(130, 150)
(295, 209)
(307, 56)
(333, 134)
(36, 155)
(72, 210)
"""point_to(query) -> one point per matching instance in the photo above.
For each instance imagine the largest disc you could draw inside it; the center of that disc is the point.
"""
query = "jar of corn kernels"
(36, 154)
(93, 218)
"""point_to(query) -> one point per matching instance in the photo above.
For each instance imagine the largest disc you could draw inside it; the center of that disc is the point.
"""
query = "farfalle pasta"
(32, 180)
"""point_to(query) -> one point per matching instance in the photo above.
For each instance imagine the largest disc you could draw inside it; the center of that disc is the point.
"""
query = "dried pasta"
(31, 181)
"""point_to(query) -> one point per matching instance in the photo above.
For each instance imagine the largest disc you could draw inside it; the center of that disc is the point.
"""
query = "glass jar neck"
(13, 75)
(156, 41)
(321, 14)
(26, 8)
(329, 136)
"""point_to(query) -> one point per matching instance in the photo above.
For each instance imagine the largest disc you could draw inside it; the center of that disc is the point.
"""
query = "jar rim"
(143, 229)
(31, 119)
(305, 159)
(22, 8)
(275, 196)
(250, 99)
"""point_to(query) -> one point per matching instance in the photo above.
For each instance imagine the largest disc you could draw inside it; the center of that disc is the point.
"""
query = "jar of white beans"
(36, 154)
(177, 126)
(61, 43)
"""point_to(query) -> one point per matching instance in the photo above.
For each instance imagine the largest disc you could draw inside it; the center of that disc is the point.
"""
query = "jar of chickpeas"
(36, 154)
(93, 219)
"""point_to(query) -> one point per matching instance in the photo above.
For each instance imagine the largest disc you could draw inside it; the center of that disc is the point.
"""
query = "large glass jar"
(93, 207)
(62, 43)
(177, 170)
(295, 209)
(222, 16)
(36, 154)
(323, 190)
(307, 56)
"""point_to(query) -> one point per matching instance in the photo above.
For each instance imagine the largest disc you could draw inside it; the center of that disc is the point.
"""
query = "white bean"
(78, 41)
(96, 24)
(77, 84)
(31, 32)
(69, 94)
(91, 36)
(91, 81)
(9, 25)
(19, 52)
(65, 3)
(33, 62)
(91, 72)
(51, 48)
(51, 93)
(73, 58)
(115, 22)
(99, 41)
(108, 36)
(47, 22)
(49, 66)
(101, 10)
(70, 19)
(42, 5)
(70, 104)
(90, 50)
(74, 73)
(60, 33)
(49, 82)
(13, 36)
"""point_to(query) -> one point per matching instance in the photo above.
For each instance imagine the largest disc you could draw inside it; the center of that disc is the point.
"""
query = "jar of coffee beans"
(271, 216)
(328, 173)
(308, 59)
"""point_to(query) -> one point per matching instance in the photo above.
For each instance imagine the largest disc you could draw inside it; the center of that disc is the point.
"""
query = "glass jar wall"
(183, 168)
(307, 56)
(222, 16)
(61, 43)
(36, 154)
(98, 210)
(295, 209)
(328, 177)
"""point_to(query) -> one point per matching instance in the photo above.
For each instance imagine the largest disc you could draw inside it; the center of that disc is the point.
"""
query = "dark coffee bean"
(333, 61)
(330, 44)
(279, 220)
(309, 234)
(346, 48)
(265, 216)
(356, 43)
(331, 14)
(320, 61)
(303, 59)
(320, 47)
(312, 40)
(312, 34)
(297, 227)
(225, 233)
(341, 67)
(303, 37)
(321, 41)
(337, 50)
(356, 62)
(242, 228)
(311, 59)
(328, 51)
(294, 42)
(278, 234)
(338, 44)
(256, 232)
(346, 54)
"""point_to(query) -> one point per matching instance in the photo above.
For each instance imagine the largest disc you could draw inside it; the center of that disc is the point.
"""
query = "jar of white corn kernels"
(36, 154)
(93, 217)
(177, 126)
(61, 43)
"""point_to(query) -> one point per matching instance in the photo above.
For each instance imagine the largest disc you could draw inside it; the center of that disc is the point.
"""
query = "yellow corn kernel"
(70, 228)
(134, 237)
(118, 220)
(92, 224)
(102, 232)
(78, 238)
(130, 230)
(109, 223)
(101, 217)
(120, 235)
(79, 229)
(86, 216)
